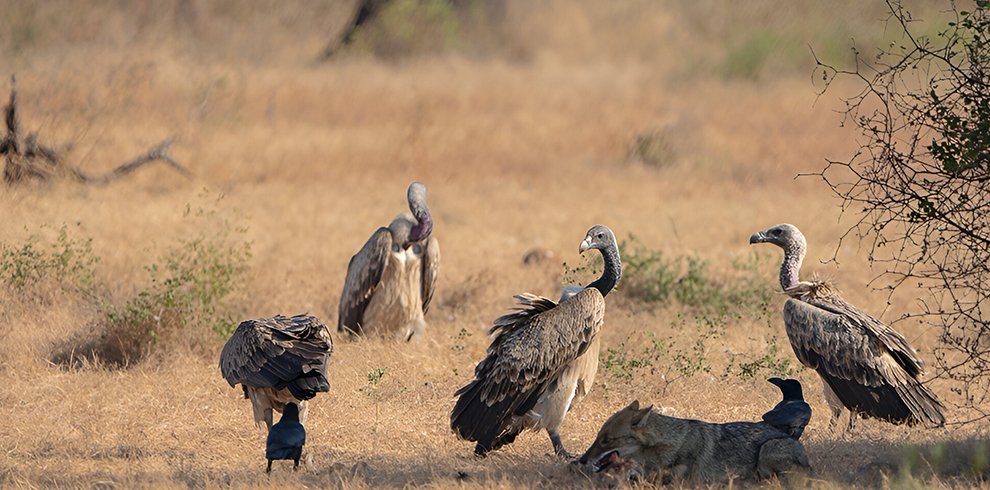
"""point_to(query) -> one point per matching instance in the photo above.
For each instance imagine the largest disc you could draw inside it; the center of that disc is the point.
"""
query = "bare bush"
(919, 180)
(26, 159)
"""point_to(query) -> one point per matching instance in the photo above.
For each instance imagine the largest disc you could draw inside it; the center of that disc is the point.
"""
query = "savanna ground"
(682, 126)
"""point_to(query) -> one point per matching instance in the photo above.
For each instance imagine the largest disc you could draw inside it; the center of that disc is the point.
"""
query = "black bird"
(286, 438)
(792, 414)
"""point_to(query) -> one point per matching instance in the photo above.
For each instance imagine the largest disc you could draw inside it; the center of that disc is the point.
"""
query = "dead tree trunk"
(27, 159)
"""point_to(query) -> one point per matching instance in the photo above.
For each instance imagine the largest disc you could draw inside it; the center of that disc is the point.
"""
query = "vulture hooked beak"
(758, 237)
(585, 245)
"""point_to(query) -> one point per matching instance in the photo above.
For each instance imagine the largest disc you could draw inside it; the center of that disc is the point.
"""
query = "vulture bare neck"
(611, 274)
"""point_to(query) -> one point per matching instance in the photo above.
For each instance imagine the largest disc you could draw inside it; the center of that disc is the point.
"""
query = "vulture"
(866, 366)
(286, 438)
(792, 414)
(278, 361)
(391, 280)
(541, 360)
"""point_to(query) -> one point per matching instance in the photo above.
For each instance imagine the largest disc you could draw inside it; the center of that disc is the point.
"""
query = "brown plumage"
(542, 358)
(277, 361)
(391, 280)
(865, 366)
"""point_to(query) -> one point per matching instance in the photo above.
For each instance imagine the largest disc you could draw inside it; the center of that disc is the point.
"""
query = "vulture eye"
(601, 235)
(775, 232)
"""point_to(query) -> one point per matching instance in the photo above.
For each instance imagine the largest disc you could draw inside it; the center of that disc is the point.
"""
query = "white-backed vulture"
(277, 361)
(391, 280)
(865, 366)
(541, 360)
(792, 414)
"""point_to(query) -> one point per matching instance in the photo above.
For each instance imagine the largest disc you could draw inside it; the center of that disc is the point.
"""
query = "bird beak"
(585, 245)
(759, 237)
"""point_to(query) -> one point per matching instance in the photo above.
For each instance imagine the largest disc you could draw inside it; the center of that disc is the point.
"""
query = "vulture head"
(417, 204)
(789, 238)
(599, 237)
(785, 236)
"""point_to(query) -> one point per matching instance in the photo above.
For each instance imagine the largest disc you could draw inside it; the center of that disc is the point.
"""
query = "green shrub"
(648, 276)
(745, 58)
(405, 27)
(772, 362)
(182, 303)
(664, 360)
(653, 149)
(69, 263)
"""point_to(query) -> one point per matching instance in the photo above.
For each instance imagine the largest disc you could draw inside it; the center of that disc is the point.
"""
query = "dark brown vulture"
(277, 361)
(391, 280)
(865, 366)
(541, 360)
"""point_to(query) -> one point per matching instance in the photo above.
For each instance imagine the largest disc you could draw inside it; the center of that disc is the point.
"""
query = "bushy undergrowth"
(664, 360)
(689, 347)
(651, 277)
(67, 263)
(405, 28)
(181, 302)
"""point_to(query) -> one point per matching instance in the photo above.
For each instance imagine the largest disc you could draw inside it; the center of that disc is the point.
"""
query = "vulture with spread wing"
(541, 360)
(277, 361)
(391, 280)
(865, 366)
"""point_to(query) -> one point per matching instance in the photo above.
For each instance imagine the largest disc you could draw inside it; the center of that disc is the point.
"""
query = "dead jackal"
(668, 448)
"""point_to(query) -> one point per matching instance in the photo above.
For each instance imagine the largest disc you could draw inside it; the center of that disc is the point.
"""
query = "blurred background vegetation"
(746, 41)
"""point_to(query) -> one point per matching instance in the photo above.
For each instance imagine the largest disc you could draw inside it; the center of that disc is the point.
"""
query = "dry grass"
(518, 153)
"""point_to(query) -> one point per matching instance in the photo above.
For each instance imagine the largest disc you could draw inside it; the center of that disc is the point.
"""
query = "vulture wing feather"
(528, 351)
(364, 272)
(431, 270)
(279, 352)
(869, 366)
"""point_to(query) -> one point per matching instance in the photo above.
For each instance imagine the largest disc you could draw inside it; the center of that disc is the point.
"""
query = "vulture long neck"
(612, 272)
(793, 256)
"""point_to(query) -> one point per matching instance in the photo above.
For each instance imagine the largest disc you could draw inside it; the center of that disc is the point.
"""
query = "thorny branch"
(918, 183)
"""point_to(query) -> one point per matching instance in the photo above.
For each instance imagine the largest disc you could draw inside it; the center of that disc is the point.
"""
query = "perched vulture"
(286, 438)
(865, 366)
(792, 414)
(541, 360)
(278, 361)
(391, 280)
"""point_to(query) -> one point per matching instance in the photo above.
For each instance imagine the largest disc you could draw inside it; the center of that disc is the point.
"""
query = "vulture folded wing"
(871, 371)
(279, 353)
(431, 270)
(364, 272)
(893, 341)
(529, 350)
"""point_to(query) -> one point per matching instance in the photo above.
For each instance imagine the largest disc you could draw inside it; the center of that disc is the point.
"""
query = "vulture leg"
(303, 410)
(558, 447)
(268, 418)
(835, 405)
(269, 469)
(295, 464)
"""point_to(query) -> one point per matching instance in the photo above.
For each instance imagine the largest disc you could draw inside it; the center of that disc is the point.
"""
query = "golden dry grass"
(517, 153)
